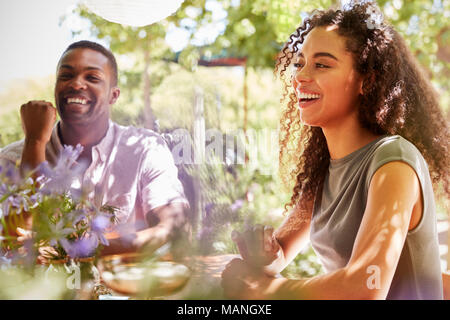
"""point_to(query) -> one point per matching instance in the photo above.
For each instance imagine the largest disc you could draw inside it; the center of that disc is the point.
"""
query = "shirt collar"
(106, 144)
(103, 148)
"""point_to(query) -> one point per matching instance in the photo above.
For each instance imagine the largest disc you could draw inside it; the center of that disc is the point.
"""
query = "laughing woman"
(370, 142)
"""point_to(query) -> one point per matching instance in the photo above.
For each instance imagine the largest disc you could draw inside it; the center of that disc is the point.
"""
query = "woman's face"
(325, 82)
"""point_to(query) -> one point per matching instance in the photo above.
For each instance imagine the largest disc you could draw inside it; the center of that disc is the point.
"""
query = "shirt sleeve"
(159, 179)
(11, 154)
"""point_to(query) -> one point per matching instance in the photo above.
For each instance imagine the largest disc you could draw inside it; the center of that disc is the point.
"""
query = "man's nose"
(78, 83)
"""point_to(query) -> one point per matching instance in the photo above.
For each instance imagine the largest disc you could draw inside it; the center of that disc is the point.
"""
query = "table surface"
(204, 283)
(205, 280)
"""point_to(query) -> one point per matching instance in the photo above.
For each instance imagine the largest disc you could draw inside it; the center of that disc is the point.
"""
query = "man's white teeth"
(76, 100)
(303, 95)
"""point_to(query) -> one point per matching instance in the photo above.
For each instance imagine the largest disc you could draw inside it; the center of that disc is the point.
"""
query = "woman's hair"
(397, 99)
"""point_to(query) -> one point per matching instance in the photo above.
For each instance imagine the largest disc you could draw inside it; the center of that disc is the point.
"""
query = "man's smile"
(77, 100)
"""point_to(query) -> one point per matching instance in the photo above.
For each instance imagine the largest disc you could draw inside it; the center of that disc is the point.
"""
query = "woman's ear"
(367, 82)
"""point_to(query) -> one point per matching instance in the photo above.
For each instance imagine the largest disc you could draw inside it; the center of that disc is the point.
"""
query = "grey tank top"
(337, 217)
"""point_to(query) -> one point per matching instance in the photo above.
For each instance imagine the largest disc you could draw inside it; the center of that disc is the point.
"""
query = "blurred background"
(210, 62)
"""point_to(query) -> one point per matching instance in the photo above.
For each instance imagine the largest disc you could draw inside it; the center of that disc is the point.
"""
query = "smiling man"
(126, 167)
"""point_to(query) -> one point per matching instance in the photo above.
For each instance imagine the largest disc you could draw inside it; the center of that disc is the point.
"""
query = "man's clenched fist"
(38, 118)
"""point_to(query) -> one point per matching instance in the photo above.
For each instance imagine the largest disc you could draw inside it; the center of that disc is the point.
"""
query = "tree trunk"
(246, 108)
(245, 99)
(149, 118)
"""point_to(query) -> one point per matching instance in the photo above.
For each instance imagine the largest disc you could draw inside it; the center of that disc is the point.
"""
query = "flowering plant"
(61, 216)
(375, 18)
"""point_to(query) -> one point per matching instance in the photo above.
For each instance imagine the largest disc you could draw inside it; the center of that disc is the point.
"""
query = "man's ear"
(115, 93)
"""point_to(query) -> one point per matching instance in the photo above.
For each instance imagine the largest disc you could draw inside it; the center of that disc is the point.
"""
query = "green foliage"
(305, 265)
(223, 98)
(249, 34)
(11, 129)
(234, 196)
(285, 15)
(256, 30)
(18, 93)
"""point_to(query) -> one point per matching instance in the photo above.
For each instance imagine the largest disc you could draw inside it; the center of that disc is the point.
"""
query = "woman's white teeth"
(76, 100)
(309, 95)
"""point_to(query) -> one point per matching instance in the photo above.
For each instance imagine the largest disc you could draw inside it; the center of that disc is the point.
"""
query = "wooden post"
(245, 108)
(199, 127)
(149, 118)
(199, 150)
(245, 98)
(446, 273)
(448, 245)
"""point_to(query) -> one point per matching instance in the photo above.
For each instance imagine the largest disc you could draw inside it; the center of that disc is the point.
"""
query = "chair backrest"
(446, 284)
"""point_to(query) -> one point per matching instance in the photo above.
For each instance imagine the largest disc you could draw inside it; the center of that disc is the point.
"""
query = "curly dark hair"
(397, 99)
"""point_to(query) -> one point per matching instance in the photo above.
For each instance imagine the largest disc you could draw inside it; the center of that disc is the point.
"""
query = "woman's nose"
(302, 75)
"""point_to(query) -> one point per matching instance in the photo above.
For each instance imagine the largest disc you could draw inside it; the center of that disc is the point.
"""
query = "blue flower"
(13, 175)
(205, 233)
(59, 233)
(59, 179)
(3, 190)
(76, 216)
(35, 199)
(1, 230)
(81, 248)
(237, 205)
(5, 208)
(19, 202)
(208, 209)
(98, 227)
(375, 18)
(4, 262)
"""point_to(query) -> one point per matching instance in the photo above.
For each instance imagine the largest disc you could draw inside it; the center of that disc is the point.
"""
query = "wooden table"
(204, 282)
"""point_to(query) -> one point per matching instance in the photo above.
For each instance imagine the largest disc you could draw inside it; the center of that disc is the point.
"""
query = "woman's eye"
(298, 65)
(319, 65)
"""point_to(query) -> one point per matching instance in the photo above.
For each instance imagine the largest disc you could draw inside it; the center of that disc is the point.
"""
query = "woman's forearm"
(276, 266)
(337, 285)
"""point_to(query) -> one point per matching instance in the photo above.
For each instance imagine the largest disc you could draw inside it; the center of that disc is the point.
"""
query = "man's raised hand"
(38, 118)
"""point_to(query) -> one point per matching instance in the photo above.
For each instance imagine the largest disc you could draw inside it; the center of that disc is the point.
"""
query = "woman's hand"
(257, 245)
(241, 281)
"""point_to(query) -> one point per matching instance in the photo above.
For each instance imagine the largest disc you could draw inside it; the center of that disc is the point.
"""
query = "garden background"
(232, 74)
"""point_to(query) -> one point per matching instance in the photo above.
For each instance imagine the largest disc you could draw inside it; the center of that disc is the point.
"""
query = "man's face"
(84, 89)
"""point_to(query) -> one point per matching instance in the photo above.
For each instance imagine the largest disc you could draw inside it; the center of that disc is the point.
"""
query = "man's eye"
(64, 76)
(93, 78)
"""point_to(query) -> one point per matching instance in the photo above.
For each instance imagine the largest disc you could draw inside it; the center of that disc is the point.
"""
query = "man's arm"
(171, 219)
(38, 118)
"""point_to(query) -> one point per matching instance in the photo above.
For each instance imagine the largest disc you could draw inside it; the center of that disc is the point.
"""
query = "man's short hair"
(86, 44)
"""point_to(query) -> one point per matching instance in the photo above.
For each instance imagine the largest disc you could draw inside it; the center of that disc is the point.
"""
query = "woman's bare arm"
(292, 236)
(393, 193)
